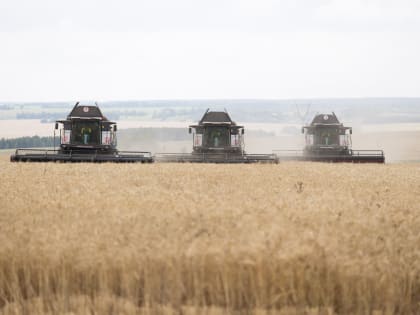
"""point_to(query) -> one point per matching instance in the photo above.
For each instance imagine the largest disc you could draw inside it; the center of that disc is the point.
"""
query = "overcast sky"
(162, 49)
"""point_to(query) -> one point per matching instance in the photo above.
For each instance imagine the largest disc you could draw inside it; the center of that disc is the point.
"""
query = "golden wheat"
(293, 238)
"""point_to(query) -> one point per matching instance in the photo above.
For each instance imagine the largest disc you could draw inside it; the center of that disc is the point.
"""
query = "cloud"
(221, 15)
(374, 15)
(221, 48)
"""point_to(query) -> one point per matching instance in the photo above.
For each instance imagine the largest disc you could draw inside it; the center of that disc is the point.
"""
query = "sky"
(59, 50)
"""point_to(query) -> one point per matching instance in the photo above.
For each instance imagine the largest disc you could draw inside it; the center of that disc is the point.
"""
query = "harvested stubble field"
(293, 238)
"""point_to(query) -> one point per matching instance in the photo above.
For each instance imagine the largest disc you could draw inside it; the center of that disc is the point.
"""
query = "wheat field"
(292, 238)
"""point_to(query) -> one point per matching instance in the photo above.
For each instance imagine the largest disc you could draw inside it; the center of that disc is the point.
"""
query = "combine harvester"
(216, 139)
(327, 140)
(86, 136)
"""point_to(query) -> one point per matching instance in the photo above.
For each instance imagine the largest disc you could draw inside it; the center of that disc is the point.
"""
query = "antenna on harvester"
(303, 114)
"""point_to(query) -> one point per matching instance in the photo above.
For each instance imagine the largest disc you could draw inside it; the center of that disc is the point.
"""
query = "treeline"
(27, 142)
(42, 115)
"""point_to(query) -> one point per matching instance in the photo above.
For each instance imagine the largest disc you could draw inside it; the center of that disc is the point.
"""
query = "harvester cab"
(217, 139)
(216, 132)
(326, 135)
(86, 135)
(86, 129)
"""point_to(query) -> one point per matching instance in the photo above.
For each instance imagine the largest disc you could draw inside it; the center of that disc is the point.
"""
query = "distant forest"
(26, 142)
